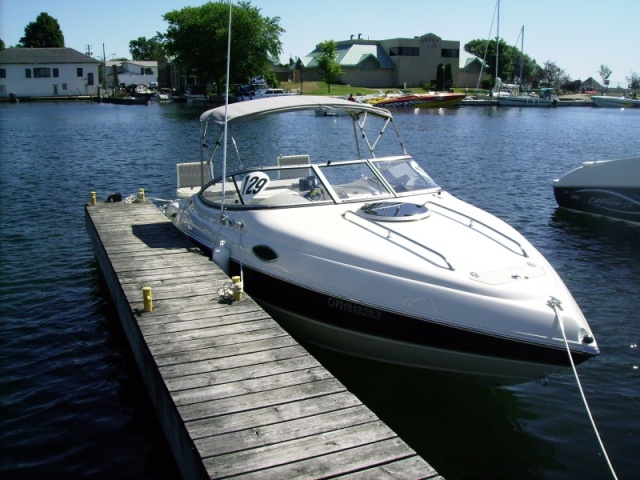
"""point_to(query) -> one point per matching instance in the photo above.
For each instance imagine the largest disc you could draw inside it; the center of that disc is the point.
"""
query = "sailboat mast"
(521, 53)
(497, 39)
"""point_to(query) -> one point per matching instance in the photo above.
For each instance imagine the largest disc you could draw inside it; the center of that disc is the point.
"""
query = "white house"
(132, 72)
(47, 72)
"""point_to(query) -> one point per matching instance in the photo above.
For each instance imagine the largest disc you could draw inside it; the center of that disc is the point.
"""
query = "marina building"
(399, 62)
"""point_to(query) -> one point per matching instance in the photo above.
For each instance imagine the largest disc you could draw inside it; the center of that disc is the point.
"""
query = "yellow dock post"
(148, 299)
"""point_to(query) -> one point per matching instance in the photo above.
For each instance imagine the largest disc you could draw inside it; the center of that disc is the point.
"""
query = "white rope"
(226, 292)
(556, 305)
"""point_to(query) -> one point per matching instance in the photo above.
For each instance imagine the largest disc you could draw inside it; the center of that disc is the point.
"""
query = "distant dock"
(235, 394)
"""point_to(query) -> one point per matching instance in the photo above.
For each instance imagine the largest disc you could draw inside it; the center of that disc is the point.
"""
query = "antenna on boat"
(226, 109)
(497, 39)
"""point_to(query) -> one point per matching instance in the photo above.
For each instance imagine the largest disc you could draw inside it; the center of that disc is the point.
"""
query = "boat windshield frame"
(365, 180)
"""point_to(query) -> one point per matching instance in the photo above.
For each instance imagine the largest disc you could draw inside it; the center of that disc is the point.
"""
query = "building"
(47, 72)
(398, 62)
(132, 72)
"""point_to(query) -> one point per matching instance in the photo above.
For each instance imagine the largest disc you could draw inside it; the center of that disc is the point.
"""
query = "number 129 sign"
(253, 184)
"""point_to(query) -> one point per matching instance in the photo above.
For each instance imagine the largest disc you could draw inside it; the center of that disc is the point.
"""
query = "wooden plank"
(235, 394)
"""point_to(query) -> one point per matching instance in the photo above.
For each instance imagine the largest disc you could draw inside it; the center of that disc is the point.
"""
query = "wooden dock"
(235, 394)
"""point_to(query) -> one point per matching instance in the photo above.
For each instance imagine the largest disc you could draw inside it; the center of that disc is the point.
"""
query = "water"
(73, 404)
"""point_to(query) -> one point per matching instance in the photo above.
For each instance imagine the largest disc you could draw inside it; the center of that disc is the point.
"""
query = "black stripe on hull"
(622, 203)
(353, 316)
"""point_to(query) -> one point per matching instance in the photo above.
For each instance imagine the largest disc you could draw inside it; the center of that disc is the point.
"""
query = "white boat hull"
(371, 258)
(609, 188)
(614, 102)
(526, 101)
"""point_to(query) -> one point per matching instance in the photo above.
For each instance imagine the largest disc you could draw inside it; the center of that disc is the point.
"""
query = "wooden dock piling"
(235, 394)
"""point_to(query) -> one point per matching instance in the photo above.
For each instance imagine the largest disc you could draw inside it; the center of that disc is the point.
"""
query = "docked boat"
(606, 187)
(164, 95)
(361, 252)
(196, 93)
(615, 102)
(420, 100)
(527, 101)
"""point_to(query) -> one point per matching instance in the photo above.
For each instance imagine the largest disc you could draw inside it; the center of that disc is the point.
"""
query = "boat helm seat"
(289, 160)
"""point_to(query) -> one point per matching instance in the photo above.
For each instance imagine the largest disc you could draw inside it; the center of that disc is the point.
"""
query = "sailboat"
(487, 100)
(528, 100)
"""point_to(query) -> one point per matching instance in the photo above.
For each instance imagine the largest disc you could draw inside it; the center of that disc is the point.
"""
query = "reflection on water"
(437, 414)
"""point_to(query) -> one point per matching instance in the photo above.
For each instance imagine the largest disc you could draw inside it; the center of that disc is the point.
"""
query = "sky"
(577, 35)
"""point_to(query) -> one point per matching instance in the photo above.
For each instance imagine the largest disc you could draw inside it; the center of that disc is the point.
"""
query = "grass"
(321, 88)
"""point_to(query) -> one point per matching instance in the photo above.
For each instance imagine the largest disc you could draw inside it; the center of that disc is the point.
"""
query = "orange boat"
(431, 100)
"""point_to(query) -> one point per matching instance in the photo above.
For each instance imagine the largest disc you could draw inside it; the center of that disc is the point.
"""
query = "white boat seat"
(284, 198)
(191, 174)
(287, 160)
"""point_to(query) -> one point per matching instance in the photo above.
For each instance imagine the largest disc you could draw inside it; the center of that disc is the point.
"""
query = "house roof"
(590, 82)
(43, 56)
(140, 63)
(352, 55)
(467, 59)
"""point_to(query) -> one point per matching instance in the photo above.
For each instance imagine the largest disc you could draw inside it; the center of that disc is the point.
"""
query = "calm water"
(73, 405)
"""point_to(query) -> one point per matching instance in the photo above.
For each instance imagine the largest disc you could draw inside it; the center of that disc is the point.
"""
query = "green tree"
(634, 81)
(299, 67)
(196, 40)
(444, 76)
(440, 77)
(43, 33)
(2, 46)
(327, 64)
(146, 48)
(605, 73)
(509, 59)
(554, 75)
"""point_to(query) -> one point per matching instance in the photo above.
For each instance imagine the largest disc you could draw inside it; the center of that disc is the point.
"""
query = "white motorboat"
(615, 102)
(527, 101)
(367, 255)
(605, 187)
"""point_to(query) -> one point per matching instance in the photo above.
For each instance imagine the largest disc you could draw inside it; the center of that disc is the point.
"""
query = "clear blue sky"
(578, 35)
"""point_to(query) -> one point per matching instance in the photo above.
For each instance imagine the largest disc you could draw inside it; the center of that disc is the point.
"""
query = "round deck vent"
(394, 211)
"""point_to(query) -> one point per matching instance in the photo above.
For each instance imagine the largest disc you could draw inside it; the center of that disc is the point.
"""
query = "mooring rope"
(557, 306)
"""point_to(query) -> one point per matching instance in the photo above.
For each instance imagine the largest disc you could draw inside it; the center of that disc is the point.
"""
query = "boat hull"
(526, 101)
(371, 258)
(614, 102)
(354, 328)
(622, 203)
(608, 188)
(422, 101)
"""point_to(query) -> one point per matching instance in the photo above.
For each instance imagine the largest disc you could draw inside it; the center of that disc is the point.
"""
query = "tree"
(634, 81)
(509, 59)
(2, 46)
(43, 33)
(146, 49)
(196, 39)
(444, 76)
(605, 73)
(299, 67)
(554, 75)
(327, 64)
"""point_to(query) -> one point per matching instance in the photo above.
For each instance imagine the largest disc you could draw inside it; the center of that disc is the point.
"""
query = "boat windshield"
(331, 183)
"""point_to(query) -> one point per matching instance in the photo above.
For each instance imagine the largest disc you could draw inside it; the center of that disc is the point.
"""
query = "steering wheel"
(315, 194)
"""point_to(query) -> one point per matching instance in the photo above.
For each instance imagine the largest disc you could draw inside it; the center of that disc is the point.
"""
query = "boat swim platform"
(235, 394)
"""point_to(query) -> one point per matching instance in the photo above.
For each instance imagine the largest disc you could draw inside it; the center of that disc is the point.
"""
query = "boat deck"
(235, 394)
